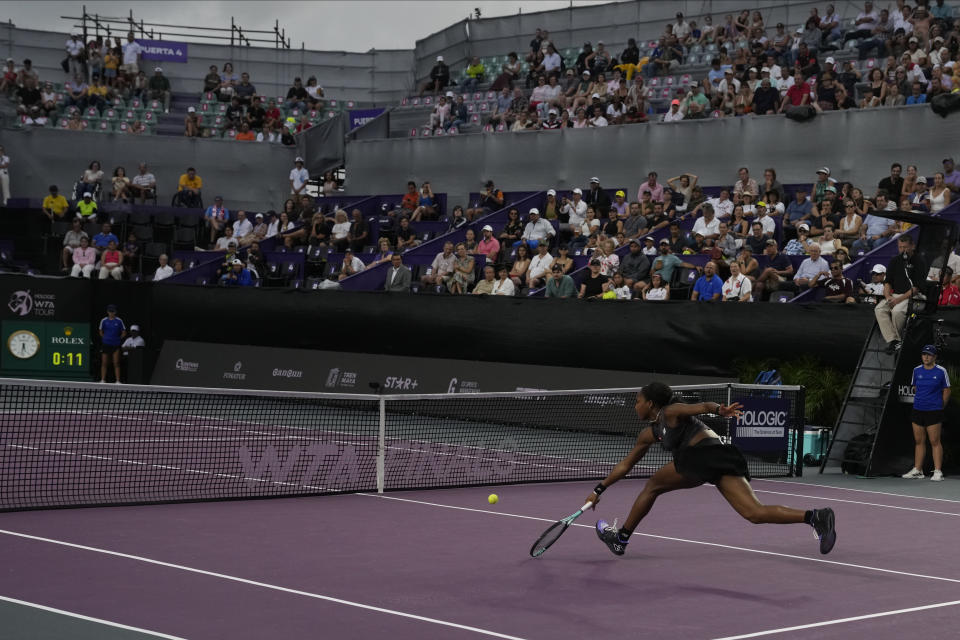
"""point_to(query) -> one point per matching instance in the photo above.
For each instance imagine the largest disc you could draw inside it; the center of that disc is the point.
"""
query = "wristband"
(599, 489)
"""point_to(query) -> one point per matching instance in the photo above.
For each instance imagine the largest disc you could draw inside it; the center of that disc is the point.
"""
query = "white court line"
(80, 616)
(869, 504)
(264, 585)
(826, 623)
(882, 493)
(674, 539)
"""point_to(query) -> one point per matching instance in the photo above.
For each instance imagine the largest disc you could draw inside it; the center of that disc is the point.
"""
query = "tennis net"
(68, 444)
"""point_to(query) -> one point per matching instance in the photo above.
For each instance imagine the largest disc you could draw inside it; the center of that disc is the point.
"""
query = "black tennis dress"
(706, 461)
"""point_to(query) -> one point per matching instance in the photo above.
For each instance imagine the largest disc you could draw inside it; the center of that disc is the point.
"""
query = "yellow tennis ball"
(492, 498)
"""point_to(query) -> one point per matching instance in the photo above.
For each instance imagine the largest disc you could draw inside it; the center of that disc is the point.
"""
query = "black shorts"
(109, 348)
(711, 462)
(926, 418)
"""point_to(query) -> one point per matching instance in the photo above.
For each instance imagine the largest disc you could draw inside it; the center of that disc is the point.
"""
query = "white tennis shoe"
(913, 474)
(937, 476)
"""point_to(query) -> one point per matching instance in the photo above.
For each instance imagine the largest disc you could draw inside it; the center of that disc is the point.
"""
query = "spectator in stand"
(441, 112)
(839, 288)
(475, 72)
(950, 296)
(592, 286)
(121, 185)
(71, 241)
(406, 235)
(163, 270)
(96, 95)
(228, 82)
(245, 90)
(351, 264)
(75, 51)
(872, 292)
(709, 286)
(652, 186)
(340, 231)
(559, 285)
(359, 233)
(131, 57)
(245, 134)
(491, 199)
(737, 288)
(596, 197)
(87, 207)
(237, 276)
(666, 263)
(849, 228)
(242, 228)
(459, 280)
(398, 276)
(459, 115)
(215, 218)
(510, 235)
(159, 88)
(778, 271)
(518, 272)
(812, 270)
(227, 242)
(951, 177)
(539, 267)
(55, 206)
(234, 113)
(111, 262)
(84, 258)
(635, 267)
(90, 180)
(297, 96)
(189, 190)
(939, 195)
(192, 125)
(256, 114)
(314, 93)
(745, 184)
(439, 78)
(537, 230)
(488, 245)
(211, 82)
(659, 289)
(143, 184)
(707, 225)
(8, 82)
(441, 267)
(503, 286)
(299, 177)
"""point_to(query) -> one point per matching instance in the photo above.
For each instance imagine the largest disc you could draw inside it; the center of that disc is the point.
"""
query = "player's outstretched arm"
(644, 440)
(681, 410)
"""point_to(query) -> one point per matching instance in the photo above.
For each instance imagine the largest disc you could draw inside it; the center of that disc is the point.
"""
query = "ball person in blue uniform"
(932, 386)
(699, 456)
(112, 333)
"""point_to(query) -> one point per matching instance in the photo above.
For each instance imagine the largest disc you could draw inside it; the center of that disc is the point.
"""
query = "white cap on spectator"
(825, 170)
(803, 225)
(158, 69)
(832, 180)
(487, 227)
(596, 95)
(297, 159)
(237, 261)
(534, 210)
(728, 70)
(552, 112)
(830, 60)
(922, 180)
(449, 94)
(585, 73)
(551, 192)
(578, 190)
(765, 70)
(799, 29)
(134, 327)
(878, 268)
(259, 215)
(753, 69)
(439, 58)
(914, 39)
(10, 60)
(191, 109)
(599, 41)
(87, 194)
(594, 179)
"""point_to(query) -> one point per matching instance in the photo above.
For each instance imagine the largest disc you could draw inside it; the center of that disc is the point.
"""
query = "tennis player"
(698, 456)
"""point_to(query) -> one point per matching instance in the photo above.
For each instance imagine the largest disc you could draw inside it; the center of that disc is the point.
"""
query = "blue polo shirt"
(101, 240)
(929, 385)
(706, 289)
(112, 331)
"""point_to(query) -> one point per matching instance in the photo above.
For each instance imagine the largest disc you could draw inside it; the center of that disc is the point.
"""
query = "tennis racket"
(554, 531)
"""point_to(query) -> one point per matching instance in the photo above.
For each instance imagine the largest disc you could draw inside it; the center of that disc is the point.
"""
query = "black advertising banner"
(39, 298)
(194, 364)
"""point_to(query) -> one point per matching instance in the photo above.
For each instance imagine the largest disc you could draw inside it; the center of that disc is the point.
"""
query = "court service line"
(264, 585)
(826, 623)
(675, 539)
(868, 504)
(882, 493)
(80, 616)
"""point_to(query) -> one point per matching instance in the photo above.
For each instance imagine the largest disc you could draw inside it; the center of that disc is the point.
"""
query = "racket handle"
(587, 505)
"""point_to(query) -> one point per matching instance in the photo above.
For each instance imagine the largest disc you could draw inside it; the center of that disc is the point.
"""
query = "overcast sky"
(355, 25)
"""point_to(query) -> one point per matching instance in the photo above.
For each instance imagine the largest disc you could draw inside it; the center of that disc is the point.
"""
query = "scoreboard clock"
(45, 349)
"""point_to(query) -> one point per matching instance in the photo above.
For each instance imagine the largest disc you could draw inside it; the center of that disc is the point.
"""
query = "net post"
(382, 445)
(798, 431)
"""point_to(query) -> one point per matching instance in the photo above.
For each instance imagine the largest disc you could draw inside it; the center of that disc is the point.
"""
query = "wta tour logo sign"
(23, 303)
(764, 425)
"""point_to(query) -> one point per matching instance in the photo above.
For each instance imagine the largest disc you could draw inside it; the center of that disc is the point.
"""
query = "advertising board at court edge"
(27, 303)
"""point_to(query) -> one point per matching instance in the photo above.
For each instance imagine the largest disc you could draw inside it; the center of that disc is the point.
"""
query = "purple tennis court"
(445, 564)
(430, 561)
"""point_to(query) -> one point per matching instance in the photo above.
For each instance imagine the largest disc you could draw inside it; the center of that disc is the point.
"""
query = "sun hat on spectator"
(551, 192)
(578, 190)
(487, 227)
(878, 268)
(825, 170)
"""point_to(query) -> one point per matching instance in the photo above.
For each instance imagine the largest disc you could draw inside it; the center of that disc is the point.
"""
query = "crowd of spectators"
(754, 68)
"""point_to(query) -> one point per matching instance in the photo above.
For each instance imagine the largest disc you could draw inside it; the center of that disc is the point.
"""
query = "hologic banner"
(763, 425)
(196, 364)
(166, 50)
(360, 117)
